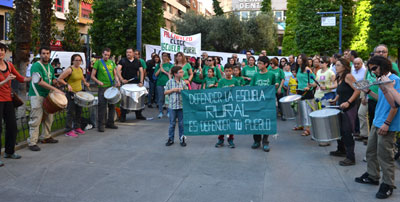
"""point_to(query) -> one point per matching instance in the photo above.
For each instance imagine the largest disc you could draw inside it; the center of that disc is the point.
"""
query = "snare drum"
(84, 99)
(286, 106)
(112, 95)
(55, 102)
(325, 125)
(133, 97)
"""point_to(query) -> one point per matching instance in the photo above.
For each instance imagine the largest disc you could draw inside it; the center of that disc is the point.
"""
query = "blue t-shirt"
(383, 108)
(287, 78)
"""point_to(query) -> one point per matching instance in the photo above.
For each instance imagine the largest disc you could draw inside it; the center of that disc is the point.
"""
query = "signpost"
(139, 26)
(327, 21)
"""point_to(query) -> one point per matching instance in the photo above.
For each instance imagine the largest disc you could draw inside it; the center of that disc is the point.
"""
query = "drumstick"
(308, 76)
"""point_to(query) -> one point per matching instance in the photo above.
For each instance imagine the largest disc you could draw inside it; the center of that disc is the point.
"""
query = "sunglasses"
(374, 68)
(209, 60)
(380, 52)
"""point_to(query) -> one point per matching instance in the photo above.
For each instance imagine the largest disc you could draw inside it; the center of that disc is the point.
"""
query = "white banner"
(173, 43)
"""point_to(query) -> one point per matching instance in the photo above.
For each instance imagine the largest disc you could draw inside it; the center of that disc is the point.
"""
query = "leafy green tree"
(71, 37)
(289, 45)
(226, 34)
(362, 26)
(385, 26)
(153, 18)
(261, 33)
(217, 8)
(266, 6)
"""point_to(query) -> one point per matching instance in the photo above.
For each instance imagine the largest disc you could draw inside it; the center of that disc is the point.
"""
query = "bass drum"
(133, 97)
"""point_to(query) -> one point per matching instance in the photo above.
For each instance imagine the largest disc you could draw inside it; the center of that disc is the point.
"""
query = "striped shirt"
(175, 99)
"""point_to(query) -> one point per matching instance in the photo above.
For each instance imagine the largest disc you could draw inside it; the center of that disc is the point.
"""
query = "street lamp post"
(139, 26)
(340, 12)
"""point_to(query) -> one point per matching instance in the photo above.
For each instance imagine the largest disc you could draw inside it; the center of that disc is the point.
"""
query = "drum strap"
(108, 72)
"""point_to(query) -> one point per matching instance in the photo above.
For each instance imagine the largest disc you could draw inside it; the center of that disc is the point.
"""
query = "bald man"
(359, 70)
(382, 50)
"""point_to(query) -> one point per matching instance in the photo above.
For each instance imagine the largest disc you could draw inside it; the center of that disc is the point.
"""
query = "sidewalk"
(133, 164)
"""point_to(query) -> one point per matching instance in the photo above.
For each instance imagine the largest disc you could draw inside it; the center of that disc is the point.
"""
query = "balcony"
(185, 3)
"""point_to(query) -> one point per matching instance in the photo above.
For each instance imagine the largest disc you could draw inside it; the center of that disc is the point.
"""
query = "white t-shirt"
(358, 74)
(324, 79)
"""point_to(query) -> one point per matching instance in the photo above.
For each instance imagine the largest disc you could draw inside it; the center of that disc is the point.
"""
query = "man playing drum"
(130, 70)
(105, 79)
(38, 92)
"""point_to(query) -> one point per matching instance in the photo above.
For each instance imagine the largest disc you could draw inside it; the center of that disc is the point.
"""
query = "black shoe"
(365, 179)
(34, 148)
(49, 140)
(183, 142)
(385, 191)
(169, 143)
(141, 118)
(150, 106)
(347, 162)
(100, 129)
(12, 156)
(112, 126)
(337, 153)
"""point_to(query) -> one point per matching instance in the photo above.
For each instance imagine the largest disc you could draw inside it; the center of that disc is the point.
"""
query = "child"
(228, 81)
(288, 75)
(237, 74)
(210, 81)
(173, 88)
(262, 78)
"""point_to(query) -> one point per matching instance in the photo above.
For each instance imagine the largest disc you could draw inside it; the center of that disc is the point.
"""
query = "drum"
(325, 125)
(112, 95)
(305, 107)
(133, 97)
(286, 106)
(84, 99)
(55, 102)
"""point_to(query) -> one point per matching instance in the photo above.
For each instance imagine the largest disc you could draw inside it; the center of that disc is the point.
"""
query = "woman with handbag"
(8, 101)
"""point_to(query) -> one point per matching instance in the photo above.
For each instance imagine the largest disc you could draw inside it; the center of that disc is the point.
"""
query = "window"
(170, 9)
(2, 27)
(59, 5)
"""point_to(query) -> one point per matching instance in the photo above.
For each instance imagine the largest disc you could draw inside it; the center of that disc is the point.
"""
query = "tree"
(46, 12)
(362, 26)
(383, 28)
(266, 6)
(289, 45)
(153, 18)
(262, 33)
(217, 8)
(71, 37)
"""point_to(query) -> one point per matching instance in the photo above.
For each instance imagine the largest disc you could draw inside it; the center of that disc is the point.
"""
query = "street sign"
(328, 21)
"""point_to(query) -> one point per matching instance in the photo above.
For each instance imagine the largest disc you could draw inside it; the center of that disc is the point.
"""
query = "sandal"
(306, 132)
(298, 128)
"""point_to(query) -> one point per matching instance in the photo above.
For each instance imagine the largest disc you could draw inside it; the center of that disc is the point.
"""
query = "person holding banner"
(180, 60)
(105, 75)
(227, 82)
(173, 88)
(162, 73)
(210, 65)
(250, 70)
(262, 78)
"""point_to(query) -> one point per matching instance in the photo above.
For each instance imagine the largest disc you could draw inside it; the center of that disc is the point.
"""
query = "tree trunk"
(23, 23)
(45, 21)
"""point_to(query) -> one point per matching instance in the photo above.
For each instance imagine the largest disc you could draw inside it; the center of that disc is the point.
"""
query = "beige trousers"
(38, 116)
(363, 117)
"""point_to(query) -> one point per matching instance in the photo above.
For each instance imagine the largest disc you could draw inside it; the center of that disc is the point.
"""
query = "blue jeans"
(173, 115)
(330, 95)
(152, 95)
(160, 98)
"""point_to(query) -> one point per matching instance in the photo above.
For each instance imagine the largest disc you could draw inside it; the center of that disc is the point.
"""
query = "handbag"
(16, 100)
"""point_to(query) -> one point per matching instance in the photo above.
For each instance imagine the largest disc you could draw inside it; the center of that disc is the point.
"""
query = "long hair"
(384, 63)
(347, 69)
(153, 59)
(304, 63)
(183, 58)
(280, 63)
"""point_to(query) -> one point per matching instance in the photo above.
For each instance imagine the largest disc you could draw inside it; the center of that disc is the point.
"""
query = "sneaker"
(231, 144)
(365, 179)
(79, 131)
(112, 126)
(337, 153)
(12, 156)
(220, 143)
(266, 148)
(347, 162)
(49, 140)
(71, 134)
(100, 129)
(160, 115)
(88, 127)
(255, 145)
(169, 143)
(183, 142)
(1, 164)
(385, 191)
(34, 148)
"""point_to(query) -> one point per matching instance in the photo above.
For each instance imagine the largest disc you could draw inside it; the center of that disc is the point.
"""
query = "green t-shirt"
(279, 75)
(185, 69)
(37, 67)
(143, 63)
(302, 79)
(395, 68)
(102, 72)
(374, 88)
(217, 73)
(162, 78)
(263, 79)
(196, 76)
(210, 81)
(241, 80)
(225, 83)
(248, 71)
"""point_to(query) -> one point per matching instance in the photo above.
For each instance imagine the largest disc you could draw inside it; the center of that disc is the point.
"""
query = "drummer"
(105, 78)
(130, 70)
(305, 89)
(37, 93)
(74, 77)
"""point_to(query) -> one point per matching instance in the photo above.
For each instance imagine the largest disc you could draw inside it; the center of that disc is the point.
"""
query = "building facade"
(6, 6)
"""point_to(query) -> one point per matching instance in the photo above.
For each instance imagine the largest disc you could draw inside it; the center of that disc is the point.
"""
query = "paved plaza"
(133, 164)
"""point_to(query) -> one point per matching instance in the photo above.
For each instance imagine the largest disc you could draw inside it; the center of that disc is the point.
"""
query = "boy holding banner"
(173, 88)
(262, 78)
(228, 81)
